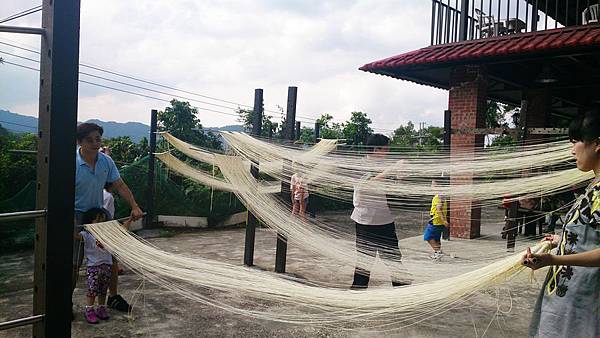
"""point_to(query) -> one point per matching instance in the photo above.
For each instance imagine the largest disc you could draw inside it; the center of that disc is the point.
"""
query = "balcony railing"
(458, 20)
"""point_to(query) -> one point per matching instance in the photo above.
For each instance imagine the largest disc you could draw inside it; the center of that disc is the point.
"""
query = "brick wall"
(467, 103)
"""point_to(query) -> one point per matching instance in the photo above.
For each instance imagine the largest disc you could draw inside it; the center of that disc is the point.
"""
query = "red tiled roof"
(478, 50)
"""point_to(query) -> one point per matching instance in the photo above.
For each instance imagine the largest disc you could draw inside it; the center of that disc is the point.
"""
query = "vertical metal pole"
(281, 249)
(447, 139)
(151, 179)
(252, 221)
(298, 130)
(511, 224)
(59, 59)
(257, 112)
(432, 20)
(290, 118)
(534, 16)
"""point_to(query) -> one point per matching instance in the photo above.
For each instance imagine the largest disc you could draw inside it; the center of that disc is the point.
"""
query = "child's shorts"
(98, 279)
(433, 232)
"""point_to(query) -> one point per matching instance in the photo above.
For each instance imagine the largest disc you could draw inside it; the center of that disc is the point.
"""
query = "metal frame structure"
(59, 75)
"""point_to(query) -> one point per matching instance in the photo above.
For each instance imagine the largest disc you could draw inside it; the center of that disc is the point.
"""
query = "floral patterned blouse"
(569, 302)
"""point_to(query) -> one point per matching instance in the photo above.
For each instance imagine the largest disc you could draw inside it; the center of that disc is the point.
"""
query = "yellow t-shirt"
(434, 213)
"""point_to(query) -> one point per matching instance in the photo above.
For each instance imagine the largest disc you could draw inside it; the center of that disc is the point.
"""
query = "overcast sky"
(225, 49)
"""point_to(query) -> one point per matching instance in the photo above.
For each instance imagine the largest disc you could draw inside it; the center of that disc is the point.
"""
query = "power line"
(126, 91)
(22, 14)
(298, 117)
(18, 124)
(282, 114)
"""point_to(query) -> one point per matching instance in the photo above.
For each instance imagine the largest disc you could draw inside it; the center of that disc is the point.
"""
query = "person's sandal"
(118, 303)
(90, 315)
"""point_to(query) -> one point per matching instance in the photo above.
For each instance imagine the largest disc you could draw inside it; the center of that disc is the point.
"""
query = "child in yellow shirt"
(437, 224)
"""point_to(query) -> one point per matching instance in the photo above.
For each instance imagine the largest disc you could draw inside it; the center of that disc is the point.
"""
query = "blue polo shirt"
(89, 183)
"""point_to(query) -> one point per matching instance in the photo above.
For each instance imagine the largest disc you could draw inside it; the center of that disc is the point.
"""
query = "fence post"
(151, 179)
(281, 249)
(252, 221)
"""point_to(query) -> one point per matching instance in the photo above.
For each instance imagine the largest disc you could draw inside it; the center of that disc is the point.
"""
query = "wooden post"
(290, 118)
(511, 225)
(447, 138)
(281, 249)
(317, 131)
(297, 130)
(151, 179)
(252, 221)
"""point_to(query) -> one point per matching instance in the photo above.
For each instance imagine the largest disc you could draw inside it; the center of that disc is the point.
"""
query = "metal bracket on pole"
(22, 30)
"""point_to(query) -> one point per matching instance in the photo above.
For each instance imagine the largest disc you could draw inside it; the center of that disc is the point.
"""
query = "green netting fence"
(173, 196)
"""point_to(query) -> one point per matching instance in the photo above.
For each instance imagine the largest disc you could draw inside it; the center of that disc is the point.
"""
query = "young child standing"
(437, 224)
(299, 193)
(99, 265)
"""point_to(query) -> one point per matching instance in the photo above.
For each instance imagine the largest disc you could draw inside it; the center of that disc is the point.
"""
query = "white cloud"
(225, 49)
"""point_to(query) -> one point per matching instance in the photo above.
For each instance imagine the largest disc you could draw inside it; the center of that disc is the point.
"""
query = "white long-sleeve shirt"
(370, 205)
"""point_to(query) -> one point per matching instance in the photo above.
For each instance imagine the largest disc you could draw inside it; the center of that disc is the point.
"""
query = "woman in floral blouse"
(569, 302)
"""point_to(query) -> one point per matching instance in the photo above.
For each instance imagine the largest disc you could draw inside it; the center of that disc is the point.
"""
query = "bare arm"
(589, 259)
(441, 213)
(123, 190)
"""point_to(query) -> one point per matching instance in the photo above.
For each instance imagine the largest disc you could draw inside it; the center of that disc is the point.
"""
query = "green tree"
(404, 136)
(180, 119)
(245, 117)
(124, 151)
(356, 130)
(496, 114)
(16, 169)
(307, 135)
(429, 139)
(329, 129)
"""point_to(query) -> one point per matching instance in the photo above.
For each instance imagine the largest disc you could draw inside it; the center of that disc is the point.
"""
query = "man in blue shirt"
(94, 170)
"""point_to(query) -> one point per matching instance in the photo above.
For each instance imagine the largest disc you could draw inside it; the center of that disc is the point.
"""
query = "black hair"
(586, 127)
(377, 141)
(86, 128)
(91, 215)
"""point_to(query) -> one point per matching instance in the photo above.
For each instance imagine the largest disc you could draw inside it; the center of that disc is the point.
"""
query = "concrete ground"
(160, 313)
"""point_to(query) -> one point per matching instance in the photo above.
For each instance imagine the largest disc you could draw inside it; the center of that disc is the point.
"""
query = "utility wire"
(298, 117)
(127, 91)
(280, 113)
(18, 124)
(22, 14)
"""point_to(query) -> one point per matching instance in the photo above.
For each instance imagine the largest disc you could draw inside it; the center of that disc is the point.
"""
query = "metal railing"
(19, 215)
(459, 20)
(21, 322)
(15, 216)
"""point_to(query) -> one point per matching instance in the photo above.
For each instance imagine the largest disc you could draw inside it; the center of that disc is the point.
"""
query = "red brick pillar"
(539, 105)
(467, 103)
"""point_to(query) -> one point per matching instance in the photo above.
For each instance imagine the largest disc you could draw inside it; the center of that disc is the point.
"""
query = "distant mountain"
(233, 127)
(18, 123)
(135, 130)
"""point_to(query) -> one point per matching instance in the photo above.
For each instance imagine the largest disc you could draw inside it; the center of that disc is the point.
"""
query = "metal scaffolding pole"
(59, 75)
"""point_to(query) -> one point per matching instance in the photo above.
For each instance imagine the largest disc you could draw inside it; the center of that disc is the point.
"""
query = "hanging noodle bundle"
(381, 309)
(479, 175)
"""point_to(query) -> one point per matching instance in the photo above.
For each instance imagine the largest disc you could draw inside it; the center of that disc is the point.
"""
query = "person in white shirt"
(299, 194)
(374, 222)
